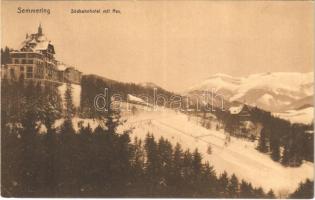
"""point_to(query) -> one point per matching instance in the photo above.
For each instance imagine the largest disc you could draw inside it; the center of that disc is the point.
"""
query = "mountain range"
(276, 92)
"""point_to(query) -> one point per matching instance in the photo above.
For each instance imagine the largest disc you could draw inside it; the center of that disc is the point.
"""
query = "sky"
(174, 44)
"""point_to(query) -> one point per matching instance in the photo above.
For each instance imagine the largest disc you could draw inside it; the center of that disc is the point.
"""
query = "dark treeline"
(93, 85)
(25, 103)
(304, 191)
(5, 56)
(103, 163)
(285, 142)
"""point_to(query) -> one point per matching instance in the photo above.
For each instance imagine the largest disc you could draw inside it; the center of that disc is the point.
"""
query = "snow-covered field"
(305, 115)
(238, 156)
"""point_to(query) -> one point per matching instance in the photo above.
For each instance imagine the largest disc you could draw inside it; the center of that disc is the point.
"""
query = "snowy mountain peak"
(271, 90)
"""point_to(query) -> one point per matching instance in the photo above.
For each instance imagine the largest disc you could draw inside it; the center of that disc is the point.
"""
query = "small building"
(69, 74)
(247, 128)
(242, 112)
(72, 75)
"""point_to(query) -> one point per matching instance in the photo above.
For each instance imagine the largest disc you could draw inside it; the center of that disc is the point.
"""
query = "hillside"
(237, 156)
(93, 85)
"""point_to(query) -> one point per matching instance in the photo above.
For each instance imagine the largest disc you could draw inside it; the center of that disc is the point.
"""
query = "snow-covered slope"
(238, 156)
(270, 91)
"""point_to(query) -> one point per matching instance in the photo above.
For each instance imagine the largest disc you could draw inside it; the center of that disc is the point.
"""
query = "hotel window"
(21, 55)
(29, 72)
(30, 62)
(22, 69)
(12, 74)
(17, 55)
(16, 61)
(23, 61)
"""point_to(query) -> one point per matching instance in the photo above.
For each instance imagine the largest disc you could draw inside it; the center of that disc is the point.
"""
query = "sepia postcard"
(157, 99)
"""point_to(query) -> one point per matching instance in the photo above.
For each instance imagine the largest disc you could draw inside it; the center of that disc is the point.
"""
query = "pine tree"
(271, 194)
(5, 56)
(262, 143)
(165, 152)
(17, 99)
(196, 162)
(197, 169)
(152, 163)
(259, 193)
(246, 190)
(50, 105)
(275, 147)
(209, 181)
(304, 191)
(233, 189)
(285, 159)
(177, 159)
(31, 110)
(176, 179)
(223, 182)
(138, 162)
(69, 106)
(112, 120)
(297, 148)
(188, 173)
(69, 111)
